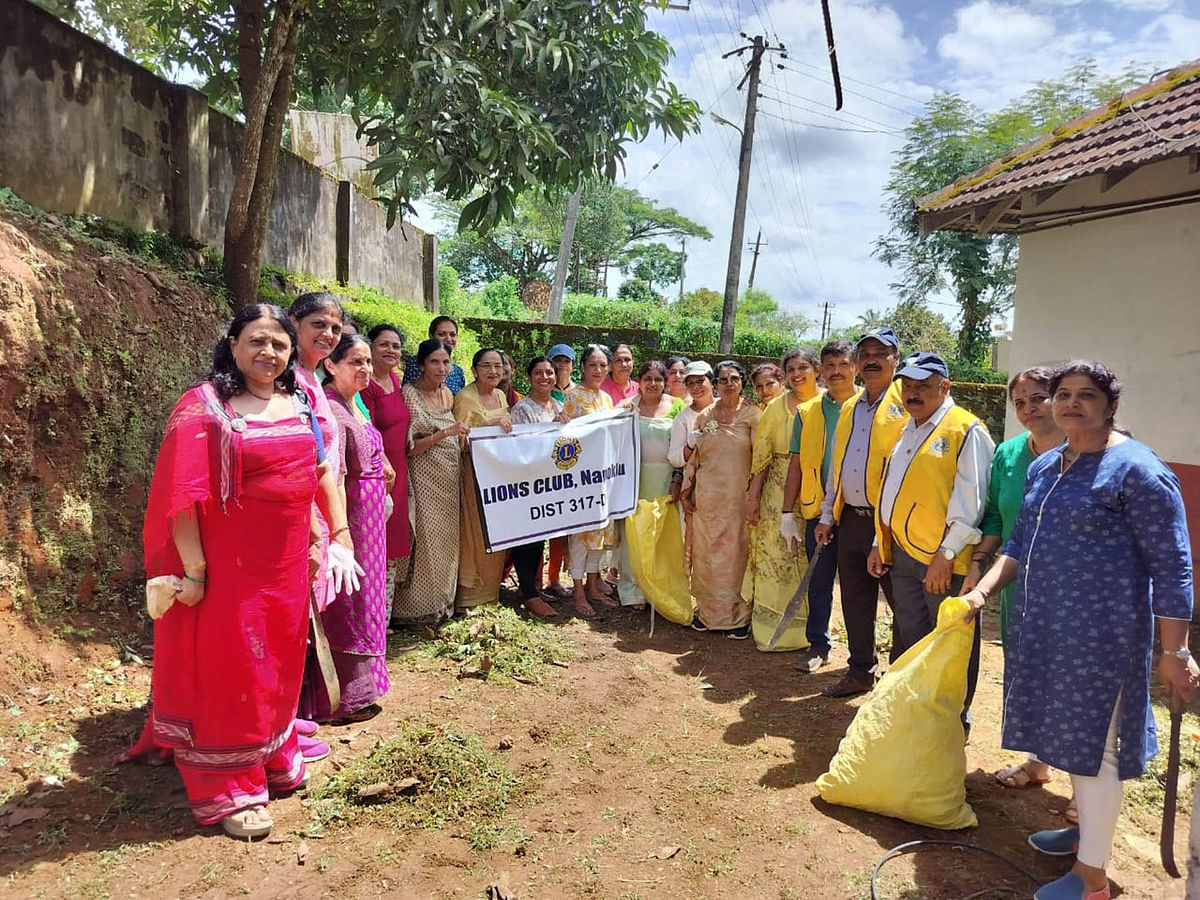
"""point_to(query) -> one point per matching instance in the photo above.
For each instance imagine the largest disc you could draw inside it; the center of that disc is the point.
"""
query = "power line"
(840, 118)
(872, 85)
(907, 112)
(808, 233)
(783, 90)
(678, 144)
(828, 127)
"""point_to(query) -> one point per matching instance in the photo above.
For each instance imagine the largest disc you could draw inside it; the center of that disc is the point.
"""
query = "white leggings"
(583, 560)
(1099, 800)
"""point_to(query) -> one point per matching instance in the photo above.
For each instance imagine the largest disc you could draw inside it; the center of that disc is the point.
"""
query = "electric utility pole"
(826, 321)
(756, 247)
(734, 271)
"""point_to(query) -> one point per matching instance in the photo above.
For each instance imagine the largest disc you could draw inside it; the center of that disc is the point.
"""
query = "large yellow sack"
(903, 754)
(655, 536)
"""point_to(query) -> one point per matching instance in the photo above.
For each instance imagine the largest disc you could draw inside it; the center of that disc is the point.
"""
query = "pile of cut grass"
(458, 781)
(516, 648)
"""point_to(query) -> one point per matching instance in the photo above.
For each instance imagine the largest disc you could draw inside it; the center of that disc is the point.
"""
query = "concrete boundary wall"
(85, 130)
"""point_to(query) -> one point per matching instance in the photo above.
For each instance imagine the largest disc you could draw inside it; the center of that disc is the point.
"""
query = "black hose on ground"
(914, 846)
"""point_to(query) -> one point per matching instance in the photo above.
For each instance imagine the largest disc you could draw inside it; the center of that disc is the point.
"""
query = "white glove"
(790, 532)
(344, 572)
(692, 438)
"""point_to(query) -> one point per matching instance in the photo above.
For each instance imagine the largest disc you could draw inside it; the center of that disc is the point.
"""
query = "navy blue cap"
(885, 336)
(561, 350)
(921, 365)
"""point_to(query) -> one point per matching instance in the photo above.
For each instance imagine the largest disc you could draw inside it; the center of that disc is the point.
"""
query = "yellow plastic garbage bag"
(655, 536)
(903, 754)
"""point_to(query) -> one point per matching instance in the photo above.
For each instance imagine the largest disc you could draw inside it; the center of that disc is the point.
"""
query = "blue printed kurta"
(1089, 544)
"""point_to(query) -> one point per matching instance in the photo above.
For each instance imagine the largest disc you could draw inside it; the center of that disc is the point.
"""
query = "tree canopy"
(954, 138)
(611, 219)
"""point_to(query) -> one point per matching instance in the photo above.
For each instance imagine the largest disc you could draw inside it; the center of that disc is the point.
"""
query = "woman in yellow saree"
(773, 572)
(479, 403)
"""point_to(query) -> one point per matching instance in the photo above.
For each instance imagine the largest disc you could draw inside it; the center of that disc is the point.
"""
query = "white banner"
(544, 481)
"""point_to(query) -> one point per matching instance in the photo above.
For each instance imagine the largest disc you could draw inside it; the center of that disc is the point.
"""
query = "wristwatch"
(948, 554)
(1182, 653)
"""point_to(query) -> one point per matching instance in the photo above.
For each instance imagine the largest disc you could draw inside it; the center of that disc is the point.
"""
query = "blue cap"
(561, 350)
(885, 336)
(921, 365)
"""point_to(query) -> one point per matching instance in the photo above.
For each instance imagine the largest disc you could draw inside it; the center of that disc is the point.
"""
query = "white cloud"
(1144, 5)
(986, 32)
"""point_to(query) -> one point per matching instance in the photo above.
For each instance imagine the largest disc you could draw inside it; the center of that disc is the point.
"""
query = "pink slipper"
(313, 750)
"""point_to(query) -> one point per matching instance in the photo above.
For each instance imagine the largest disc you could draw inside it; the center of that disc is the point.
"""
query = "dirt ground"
(682, 745)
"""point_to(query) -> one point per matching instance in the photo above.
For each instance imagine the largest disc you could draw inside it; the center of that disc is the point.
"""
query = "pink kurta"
(389, 413)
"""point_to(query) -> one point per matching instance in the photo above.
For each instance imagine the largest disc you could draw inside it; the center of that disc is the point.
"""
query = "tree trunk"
(266, 91)
(968, 301)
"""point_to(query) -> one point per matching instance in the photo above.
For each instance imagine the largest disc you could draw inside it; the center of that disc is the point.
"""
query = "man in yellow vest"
(934, 492)
(868, 425)
(811, 448)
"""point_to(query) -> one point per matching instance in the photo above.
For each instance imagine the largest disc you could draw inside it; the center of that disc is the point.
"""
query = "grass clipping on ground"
(426, 777)
(494, 642)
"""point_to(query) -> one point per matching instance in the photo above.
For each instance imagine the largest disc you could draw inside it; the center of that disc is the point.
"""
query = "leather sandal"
(1017, 777)
(249, 823)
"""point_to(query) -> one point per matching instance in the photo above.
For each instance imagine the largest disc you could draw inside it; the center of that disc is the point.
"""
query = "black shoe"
(849, 686)
(738, 634)
(812, 661)
(697, 625)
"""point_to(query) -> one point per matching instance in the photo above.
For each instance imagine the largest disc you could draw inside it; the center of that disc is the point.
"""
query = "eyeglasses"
(730, 379)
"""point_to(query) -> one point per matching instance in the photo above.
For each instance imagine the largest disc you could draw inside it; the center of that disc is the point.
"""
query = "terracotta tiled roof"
(1151, 123)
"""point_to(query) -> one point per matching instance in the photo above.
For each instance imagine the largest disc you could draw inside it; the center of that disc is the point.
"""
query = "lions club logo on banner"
(566, 452)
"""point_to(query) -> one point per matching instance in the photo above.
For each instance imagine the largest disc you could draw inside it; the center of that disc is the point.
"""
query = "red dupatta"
(199, 461)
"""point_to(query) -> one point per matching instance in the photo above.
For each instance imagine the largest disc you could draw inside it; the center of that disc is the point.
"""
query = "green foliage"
(369, 307)
(759, 311)
(653, 263)
(503, 298)
(677, 333)
(610, 219)
(635, 290)
(458, 782)
(497, 96)
(701, 303)
(963, 371)
(953, 139)
(917, 327)
(588, 309)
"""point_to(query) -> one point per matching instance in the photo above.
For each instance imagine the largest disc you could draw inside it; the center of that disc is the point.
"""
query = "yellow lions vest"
(918, 520)
(886, 425)
(812, 453)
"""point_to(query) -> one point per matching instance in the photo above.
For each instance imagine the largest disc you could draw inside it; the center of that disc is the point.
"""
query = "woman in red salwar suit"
(230, 513)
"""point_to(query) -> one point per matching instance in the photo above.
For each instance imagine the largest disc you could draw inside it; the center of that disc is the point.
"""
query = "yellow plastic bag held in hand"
(655, 536)
(903, 754)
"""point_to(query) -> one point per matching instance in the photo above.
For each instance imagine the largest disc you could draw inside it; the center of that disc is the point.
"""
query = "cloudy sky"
(818, 174)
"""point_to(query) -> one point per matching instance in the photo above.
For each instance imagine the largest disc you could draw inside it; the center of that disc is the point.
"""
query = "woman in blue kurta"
(1100, 549)
(1029, 392)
